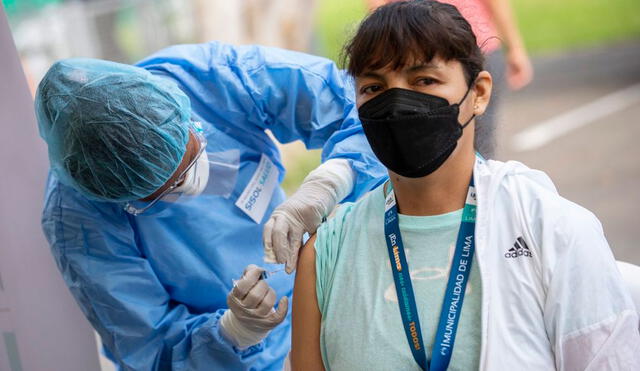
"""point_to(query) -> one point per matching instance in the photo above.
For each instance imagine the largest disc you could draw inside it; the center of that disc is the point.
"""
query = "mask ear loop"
(462, 100)
(468, 121)
(467, 93)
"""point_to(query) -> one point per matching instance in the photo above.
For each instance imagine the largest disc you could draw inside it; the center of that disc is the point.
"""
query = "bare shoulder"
(306, 317)
(307, 257)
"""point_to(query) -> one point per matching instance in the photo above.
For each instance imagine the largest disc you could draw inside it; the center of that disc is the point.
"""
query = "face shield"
(208, 174)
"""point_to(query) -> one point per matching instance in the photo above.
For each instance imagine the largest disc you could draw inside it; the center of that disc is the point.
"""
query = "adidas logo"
(519, 249)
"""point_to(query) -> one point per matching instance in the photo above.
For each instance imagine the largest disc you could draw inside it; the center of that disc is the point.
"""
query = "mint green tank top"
(361, 325)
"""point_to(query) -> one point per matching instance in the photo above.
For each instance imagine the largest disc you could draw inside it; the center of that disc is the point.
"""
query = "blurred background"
(578, 120)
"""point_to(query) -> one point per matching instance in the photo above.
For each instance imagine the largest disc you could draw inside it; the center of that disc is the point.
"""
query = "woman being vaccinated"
(456, 262)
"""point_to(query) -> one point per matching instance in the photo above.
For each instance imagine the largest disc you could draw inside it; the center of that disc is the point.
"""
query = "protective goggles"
(169, 195)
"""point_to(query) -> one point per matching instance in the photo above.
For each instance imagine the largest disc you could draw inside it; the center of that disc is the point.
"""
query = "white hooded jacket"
(553, 297)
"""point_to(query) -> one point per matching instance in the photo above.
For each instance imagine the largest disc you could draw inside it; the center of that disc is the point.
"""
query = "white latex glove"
(303, 212)
(251, 314)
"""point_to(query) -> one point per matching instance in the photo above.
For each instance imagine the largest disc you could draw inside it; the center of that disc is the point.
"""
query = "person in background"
(497, 33)
(287, 24)
(162, 177)
(456, 262)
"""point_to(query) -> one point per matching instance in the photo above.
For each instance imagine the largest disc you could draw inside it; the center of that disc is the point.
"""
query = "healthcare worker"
(162, 177)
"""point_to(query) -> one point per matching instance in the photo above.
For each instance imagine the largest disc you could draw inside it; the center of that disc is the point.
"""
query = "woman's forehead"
(410, 65)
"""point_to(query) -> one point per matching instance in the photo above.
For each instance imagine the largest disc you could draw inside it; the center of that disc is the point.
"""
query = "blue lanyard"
(456, 286)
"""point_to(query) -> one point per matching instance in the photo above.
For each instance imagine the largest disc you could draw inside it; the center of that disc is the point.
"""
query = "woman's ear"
(482, 88)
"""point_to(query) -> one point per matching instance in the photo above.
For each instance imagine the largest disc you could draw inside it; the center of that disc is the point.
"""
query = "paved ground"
(597, 165)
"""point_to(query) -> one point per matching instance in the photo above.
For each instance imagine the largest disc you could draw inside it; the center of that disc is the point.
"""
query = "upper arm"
(306, 317)
(295, 95)
(589, 315)
(303, 97)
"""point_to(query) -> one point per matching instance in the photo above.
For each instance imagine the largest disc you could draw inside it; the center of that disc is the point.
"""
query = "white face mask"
(196, 179)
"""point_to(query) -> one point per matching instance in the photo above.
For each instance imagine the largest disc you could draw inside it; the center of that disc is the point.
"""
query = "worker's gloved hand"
(303, 212)
(251, 314)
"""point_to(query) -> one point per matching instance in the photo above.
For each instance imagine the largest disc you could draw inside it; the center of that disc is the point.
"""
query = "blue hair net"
(115, 132)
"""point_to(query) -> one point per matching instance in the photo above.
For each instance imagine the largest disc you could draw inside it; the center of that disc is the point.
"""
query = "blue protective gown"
(155, 287)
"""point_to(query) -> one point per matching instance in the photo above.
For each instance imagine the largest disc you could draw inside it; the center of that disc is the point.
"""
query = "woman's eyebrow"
(422, 67)
(371, 74)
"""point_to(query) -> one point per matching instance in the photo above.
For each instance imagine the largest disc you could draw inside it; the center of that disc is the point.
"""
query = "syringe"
(263, 276)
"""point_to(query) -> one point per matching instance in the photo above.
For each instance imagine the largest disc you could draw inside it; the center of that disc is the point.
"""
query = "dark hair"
(396, 33)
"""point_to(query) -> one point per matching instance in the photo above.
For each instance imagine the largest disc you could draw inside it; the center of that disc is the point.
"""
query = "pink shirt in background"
(477, 14)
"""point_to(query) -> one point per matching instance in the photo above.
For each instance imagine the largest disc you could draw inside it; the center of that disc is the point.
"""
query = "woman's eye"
(371, 89)
(426, 81)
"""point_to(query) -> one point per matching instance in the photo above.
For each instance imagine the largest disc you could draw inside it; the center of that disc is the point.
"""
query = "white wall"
(41, 327)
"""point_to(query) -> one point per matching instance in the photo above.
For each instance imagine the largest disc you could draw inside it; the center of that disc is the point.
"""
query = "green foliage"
(298, 168)
(546, 25)
(552, 25)
(336, 22)
(23, 7)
